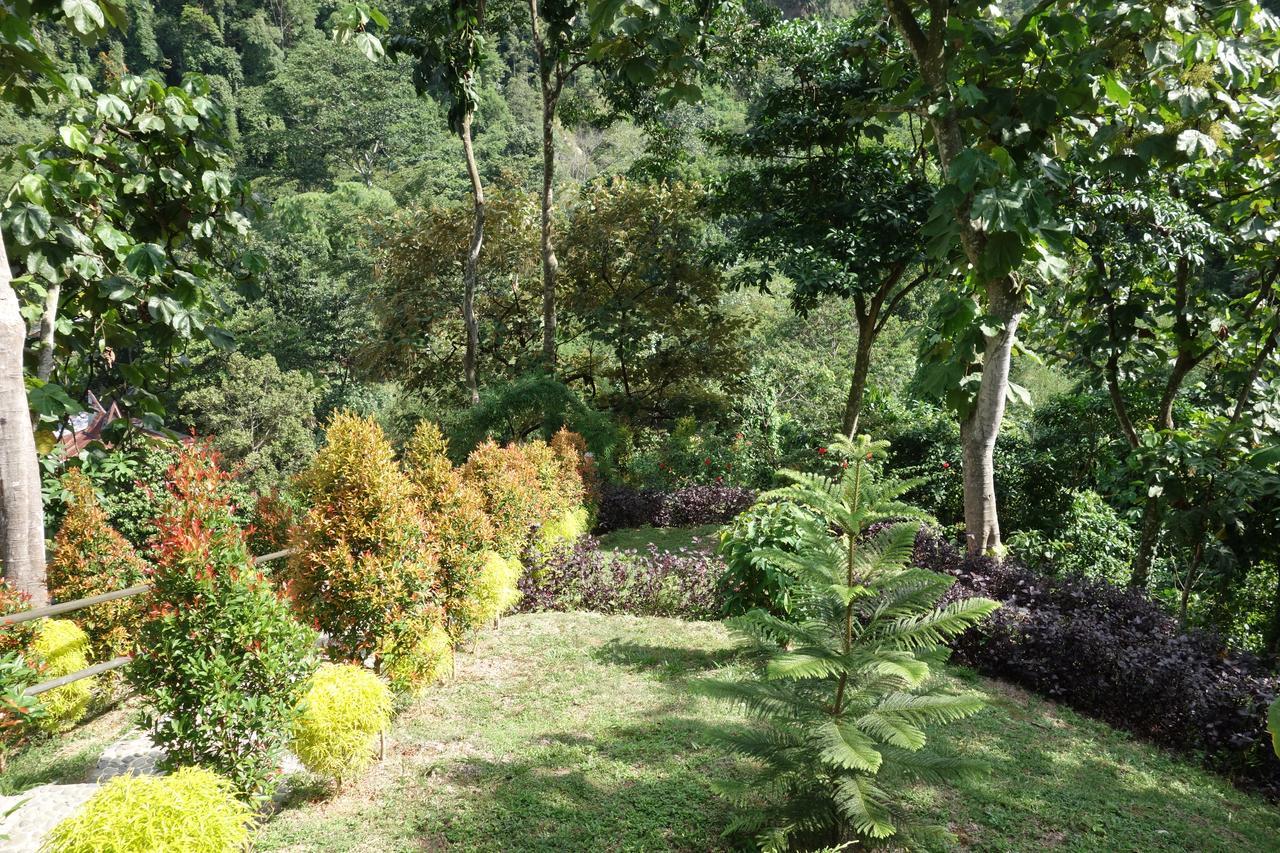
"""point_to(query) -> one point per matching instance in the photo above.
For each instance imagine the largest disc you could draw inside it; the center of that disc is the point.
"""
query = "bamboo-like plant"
(846, 684)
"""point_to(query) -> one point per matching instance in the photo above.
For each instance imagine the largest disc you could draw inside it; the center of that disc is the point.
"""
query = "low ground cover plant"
(192, 810)
(1114, 653)
(843, 688)
(623, 506)
(648, 582)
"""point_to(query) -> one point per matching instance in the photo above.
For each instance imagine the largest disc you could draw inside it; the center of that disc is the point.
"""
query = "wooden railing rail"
(80, 604)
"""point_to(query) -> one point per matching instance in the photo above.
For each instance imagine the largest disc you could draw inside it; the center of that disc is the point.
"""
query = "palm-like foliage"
(845, 686)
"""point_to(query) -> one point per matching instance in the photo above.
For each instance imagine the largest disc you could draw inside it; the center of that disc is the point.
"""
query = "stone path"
(37, 811)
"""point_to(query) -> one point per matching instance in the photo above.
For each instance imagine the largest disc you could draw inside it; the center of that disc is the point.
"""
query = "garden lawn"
(704, 538)
(574, 731)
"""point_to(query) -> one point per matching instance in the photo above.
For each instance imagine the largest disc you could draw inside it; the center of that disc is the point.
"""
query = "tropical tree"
(648, 298)
(1173, 209)
(998, 101)
(816, 202)
(422, 333)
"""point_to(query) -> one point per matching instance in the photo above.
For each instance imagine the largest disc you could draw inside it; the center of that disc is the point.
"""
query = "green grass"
(665, 538)
(65, 758)
(576, 732)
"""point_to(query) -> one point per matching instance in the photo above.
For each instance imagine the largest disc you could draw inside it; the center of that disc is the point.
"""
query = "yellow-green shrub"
(362, 564)
(495, 591)
(416, 654)
(61, 648)
(90, 558)
(572, 450)
(341, 715)
(558, 477)
(564, 530)
(190, 811)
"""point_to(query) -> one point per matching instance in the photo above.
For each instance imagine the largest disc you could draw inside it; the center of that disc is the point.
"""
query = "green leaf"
(150, 122)
(113, 109)
(1116, 91)
(370, 45)
(85, 15)
(74, 137)
(145, 260)
(216, 184)
(28, 223)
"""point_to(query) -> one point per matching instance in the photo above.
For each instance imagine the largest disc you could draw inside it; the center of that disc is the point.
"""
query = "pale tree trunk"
(48, 332)
(21, 510)
(550, 265)
(471, 271)
(550, 82)
(981, 426)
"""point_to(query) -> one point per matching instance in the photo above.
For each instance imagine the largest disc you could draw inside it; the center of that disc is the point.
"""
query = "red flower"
(946, 465)
(822, 451)
(844, 464)
(719, 479)
(706, 461)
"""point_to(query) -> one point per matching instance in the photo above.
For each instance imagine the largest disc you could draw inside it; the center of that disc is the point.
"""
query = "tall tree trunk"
(471, 270)
(858, 383)
(550, 265)
(1147, 538)
(550, 82)
(21, 510)
(980, 428)
(48, 332)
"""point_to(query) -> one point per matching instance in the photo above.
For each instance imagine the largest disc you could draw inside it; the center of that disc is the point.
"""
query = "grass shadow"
(665, 662)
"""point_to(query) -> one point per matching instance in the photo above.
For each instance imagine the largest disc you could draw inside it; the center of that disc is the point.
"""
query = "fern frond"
(941, 624)
(933, 767)
(847, 747)
(863, 804)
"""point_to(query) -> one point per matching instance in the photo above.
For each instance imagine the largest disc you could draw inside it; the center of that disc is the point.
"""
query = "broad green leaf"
(28, 223)
(145, 260)
(74, 137)
(216, 184)
(85, 15)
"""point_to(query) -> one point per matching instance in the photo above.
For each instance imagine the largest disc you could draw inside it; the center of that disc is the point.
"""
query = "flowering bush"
(361, 565)
(222, 663)
(345, 708)
(190, 811)
(61, 648)
(623, 507)
(642, 583)
(1113, 653)
(90, 558)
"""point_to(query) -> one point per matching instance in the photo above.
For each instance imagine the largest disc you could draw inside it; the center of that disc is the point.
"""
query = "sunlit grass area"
(577, 732)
